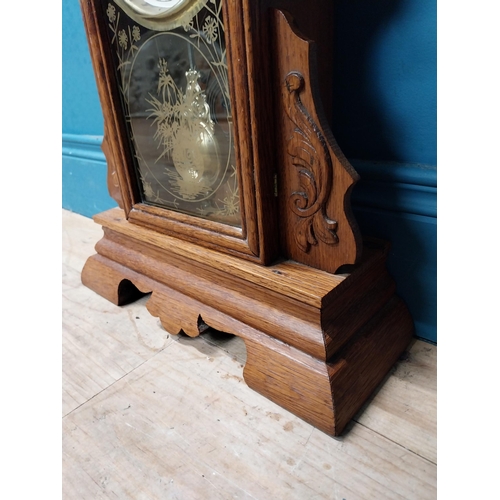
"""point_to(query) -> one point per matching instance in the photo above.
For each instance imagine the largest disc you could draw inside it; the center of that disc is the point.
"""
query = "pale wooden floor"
(148, 415)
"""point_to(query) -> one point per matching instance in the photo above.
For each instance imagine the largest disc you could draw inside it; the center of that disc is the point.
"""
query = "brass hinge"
(275, 185)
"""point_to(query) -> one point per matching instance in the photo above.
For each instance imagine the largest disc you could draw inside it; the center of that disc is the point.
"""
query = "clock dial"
(175, 97)
(167, 4)
(156, 7)
(161, 14)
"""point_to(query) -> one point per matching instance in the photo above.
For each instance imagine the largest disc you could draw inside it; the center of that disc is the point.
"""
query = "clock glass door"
(171, 67)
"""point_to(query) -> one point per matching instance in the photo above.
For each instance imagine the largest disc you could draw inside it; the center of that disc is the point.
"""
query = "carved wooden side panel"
(308, 151)
(314, 177)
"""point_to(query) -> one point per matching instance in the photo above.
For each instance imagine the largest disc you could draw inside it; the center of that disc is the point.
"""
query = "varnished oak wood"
(302, 352)
(318, 343)
(147, 414)
(112, 175)
(315, 178)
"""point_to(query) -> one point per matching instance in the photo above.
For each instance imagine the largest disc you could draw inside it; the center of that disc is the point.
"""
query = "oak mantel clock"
(234, 196)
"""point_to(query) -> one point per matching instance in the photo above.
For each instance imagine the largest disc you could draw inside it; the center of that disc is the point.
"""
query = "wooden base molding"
(318, 344)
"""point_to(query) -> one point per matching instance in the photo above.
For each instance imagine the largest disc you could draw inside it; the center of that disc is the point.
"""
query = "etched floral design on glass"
(175, 92)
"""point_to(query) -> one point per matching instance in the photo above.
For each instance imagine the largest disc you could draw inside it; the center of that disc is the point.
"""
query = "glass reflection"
(175, 95)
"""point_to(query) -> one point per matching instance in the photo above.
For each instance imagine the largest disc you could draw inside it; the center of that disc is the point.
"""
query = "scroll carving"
(309, 152)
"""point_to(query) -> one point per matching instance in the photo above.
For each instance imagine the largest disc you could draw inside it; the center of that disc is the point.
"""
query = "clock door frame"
(250, 100)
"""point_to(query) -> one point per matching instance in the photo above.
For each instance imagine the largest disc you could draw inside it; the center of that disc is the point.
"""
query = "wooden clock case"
(313, 302)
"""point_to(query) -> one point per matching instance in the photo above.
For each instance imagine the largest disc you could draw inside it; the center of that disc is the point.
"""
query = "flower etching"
(210, 29)
(188, 108)
(184, 131)
(123, 39)
(136, 34)
(189, 25)
(230, 204)
(111, 12)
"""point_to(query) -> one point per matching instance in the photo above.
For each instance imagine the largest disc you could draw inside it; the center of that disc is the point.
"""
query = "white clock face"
(161, 14)
(160, 6)
(169, 4)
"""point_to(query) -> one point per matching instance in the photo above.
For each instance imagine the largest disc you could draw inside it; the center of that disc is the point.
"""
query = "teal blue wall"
(384, 120)
(385, 80)
(83, 165)
(81, 110)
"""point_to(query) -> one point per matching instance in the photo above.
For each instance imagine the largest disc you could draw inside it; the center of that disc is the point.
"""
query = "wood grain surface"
(320, 359)
(315, 178)
(151, 415)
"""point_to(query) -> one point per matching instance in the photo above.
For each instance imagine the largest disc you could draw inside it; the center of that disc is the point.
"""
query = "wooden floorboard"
(151, 415)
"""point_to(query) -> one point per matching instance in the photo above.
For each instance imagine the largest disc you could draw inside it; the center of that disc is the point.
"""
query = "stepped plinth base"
(318, 344)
